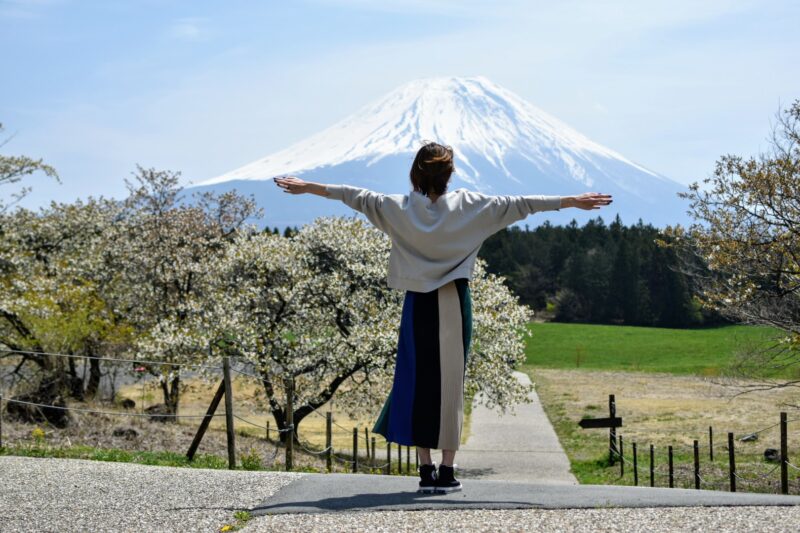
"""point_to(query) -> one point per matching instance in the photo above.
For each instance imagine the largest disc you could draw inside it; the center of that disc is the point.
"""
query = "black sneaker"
(427, 478)
(445, 481)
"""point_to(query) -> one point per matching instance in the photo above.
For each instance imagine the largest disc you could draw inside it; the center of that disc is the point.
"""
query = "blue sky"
(95, 87)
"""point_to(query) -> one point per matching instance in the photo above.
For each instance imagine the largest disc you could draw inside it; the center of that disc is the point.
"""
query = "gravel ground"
(717, 519)
(74, 495)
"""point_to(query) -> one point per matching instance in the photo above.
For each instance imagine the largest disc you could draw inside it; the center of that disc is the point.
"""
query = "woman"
(436, 235)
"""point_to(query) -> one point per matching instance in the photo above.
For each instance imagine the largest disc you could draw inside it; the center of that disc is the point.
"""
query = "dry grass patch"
(663, 410)
(97, 432)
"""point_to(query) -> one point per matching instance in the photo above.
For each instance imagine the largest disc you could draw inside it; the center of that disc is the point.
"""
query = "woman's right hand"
(292, 184)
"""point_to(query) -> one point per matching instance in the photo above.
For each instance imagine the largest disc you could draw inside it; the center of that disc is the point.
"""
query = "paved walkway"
(314, 493)
(519, 447)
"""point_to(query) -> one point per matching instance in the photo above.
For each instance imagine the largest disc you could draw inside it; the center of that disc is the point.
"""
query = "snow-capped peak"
(478, 118)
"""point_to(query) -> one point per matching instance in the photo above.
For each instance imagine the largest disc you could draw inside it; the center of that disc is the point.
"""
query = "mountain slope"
(503, 145)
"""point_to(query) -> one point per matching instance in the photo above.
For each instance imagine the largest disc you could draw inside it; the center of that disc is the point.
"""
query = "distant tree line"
(598, 273)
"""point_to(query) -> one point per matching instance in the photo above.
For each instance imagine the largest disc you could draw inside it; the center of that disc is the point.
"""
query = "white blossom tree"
(160, 252)
(315, 308)
(52, 300)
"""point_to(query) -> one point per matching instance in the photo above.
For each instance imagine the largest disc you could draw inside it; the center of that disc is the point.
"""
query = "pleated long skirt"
(425, 407)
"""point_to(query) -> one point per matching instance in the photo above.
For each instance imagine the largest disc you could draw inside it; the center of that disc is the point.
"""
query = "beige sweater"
(436, 242)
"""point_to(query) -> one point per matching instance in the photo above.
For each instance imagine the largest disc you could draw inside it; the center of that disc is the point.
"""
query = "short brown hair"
(432, 168)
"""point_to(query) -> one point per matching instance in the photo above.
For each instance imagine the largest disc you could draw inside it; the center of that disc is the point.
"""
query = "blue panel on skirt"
(402, 404)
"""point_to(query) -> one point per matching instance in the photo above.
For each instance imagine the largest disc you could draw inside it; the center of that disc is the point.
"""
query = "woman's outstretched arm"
(493, 213)
(364, 200)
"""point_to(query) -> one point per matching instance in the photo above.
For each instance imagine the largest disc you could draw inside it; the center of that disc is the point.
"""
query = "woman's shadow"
(352, 494)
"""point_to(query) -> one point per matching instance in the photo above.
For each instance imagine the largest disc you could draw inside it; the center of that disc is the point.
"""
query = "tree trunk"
(48, 392)
(73, 382)
(93, 385)
(279, 413)
(171, 392)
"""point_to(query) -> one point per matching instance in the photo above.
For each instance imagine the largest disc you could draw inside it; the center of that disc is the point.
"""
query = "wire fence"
(285, 441)
(697, 466)
(667, 469)
(96, 412)
(112, 359)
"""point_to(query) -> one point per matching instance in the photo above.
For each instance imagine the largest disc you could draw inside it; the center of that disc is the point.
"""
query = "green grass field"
(704, 352)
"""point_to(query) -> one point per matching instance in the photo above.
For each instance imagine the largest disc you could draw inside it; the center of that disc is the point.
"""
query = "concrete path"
(519, 447)
(315, 493)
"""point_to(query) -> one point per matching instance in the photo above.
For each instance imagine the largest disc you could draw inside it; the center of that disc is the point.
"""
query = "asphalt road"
(314, 493)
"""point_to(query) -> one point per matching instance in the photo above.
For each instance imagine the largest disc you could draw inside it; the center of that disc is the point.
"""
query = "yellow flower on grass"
(226, 527)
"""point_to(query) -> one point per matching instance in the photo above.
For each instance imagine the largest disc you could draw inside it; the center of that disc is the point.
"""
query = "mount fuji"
(502, 145)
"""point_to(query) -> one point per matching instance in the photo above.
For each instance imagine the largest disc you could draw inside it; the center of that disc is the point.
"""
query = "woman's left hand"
(587, 200)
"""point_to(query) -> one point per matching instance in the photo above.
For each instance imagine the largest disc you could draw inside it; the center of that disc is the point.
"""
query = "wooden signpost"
(612, 422)
(591, 423)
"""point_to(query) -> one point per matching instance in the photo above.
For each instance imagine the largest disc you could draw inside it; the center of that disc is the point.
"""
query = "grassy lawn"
(702, 352)
(160, 458)
(151, 458)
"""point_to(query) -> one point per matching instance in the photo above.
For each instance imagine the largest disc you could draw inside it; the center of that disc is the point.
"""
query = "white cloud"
(189, 29)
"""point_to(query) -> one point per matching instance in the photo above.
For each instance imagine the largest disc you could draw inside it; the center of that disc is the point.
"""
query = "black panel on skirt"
(427, 394)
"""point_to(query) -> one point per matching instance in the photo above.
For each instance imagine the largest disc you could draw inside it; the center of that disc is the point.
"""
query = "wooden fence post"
(784, 456)
(732, 462)
(329, 441)
(621, 458)
(408, 459)
(612, 431)
(652, 467)
(373, 451)
(635, 467)
(696, 447)
(366, 440)
(289, 381)
(671, 471)
(355, 450)
(226, 374)
(388, 457)
(267, 429)
(710, 444)
(399, 458)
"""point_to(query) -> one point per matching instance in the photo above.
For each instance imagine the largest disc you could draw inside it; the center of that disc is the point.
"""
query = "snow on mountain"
(502, 144)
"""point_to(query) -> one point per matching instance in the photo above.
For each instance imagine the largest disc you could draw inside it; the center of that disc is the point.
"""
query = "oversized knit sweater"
(436, 242)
